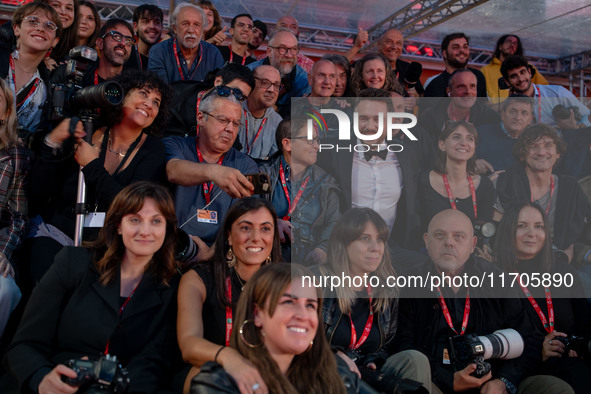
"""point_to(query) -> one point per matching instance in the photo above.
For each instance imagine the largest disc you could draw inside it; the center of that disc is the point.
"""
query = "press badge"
(94, 219)
(207, 216)
(446, 357)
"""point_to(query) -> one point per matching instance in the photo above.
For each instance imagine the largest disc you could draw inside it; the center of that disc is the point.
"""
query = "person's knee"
(544, 384)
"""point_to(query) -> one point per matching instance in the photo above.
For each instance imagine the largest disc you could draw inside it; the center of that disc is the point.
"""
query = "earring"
(250, 345)
(2, 122)
(230, 258)
(268, 260)
(309, 347)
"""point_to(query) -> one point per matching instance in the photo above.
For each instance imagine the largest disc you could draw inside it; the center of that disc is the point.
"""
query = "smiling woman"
(279, 335)
(374, 71)
(123, 152)
(455, 183)
(209, 293)
(127, 278)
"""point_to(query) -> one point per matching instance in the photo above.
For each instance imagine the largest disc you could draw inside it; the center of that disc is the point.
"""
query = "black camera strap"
(104, 147)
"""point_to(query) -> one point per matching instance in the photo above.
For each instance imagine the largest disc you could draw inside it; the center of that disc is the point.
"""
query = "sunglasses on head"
(226, 91)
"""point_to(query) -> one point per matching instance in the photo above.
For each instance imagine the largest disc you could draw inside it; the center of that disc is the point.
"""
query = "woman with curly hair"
(374, 71)
(115, 297)
(125, 151)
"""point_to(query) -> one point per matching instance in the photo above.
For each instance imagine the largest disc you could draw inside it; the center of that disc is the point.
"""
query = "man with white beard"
(186, 56)
(282, 53)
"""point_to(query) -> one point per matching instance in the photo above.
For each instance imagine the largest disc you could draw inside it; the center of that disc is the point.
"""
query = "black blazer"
(405, 229)
(70, 315)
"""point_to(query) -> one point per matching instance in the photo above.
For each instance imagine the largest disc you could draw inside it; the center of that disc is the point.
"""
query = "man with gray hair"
(282, 52)
(200, 202)
(186, 56)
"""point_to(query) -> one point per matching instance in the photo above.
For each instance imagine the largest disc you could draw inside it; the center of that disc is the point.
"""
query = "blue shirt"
(163, 61)
(495, 145)
(546, 97)
(188, 199)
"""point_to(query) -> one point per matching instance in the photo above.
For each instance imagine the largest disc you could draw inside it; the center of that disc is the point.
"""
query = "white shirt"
(377, 184)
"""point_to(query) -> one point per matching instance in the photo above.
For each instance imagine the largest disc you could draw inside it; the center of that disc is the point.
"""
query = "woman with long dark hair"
(361, 318)
(208, 294)
(116, 297)
(523, 245)
(213, 33)
(125, 151)
(89, 24)
(455, 182)
(278, 332)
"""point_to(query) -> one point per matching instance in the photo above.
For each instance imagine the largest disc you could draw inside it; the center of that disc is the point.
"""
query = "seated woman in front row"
(361, 322)
(279, 334)
(208, 293)
(116, 297)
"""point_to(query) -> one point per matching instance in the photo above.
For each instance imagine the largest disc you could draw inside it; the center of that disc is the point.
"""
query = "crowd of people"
(217, 176)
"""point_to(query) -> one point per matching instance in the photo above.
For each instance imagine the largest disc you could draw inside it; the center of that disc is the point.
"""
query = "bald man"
(424, 326)
(322, 80)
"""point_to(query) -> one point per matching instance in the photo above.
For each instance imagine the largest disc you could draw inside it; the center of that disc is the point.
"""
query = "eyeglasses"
(242, 25)
(223, 120)
(33, 21)
(310, 142)
(283, 50)
(265, 84)
(118, 37)
(226, 91)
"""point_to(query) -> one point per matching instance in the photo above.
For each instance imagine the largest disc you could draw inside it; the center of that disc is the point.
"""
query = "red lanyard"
(451, 197)
(206, 186)
(121, 311)
(96, 80)
(355, 344)
(139, 58)
(548, 327)
(228, 310)
(199, 97)
(35, 85)
(297, 197)
(539, 104)
(249, 147)
(447, 315)
(178, 62)
(551, 194)
(232, 55)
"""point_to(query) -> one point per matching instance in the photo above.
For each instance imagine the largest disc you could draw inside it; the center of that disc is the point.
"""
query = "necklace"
(121, 153)
(242, 284)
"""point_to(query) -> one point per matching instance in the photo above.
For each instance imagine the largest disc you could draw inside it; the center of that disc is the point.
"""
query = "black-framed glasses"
(309, 141)
(226, 91)
(33, 21)
(223, 120)
(283, 50)
(242, 25)
(118, 37)
(265, 84)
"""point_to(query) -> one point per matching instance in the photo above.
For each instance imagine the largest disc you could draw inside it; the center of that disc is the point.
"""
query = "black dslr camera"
(581, 345)
(70, 99)
(485, 230)
(562, 112)
(104, 375)
(473, 349)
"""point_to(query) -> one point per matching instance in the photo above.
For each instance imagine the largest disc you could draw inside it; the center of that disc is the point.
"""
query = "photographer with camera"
(38, 29)
(560, 313)
(428, 324)
(116, 297)
(455, 181)
(124, 152)
(304, 222)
